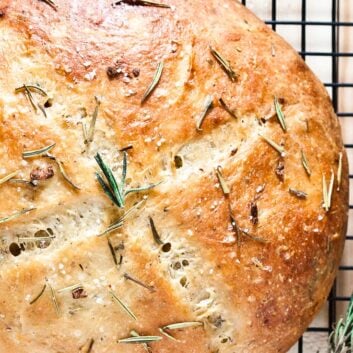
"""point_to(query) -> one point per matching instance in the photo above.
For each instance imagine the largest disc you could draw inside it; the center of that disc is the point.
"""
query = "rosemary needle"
(227, 109)
(16, 215)
(225, 64)
(222, 182)
(306, 164)
(54, 299)
(208, 105)
(155, 233)
(274, 145)
(154, 83)
(38, 152)
(280, 115)
(142, 3)
(140, 339)
(8, 177)
(182, 325)
(50, 3)
(124, 306)
(339, 171)
(38, 295)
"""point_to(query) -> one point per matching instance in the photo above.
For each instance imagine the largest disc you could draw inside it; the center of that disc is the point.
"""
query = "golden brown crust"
(252, 296)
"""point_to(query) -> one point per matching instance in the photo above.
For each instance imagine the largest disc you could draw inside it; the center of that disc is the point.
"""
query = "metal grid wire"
(336, 302)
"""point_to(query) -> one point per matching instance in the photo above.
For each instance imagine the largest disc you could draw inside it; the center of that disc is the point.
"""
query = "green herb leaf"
(124, 306)
(225, 64)
(299, 194)
(208, 105)
(341, 339)
(274, 145)
(305, 164)
(182, 325)
(39, 152)
(140, 339)
(280, 115)
(339, 171)
(154, 83)
(227, 109)
(38, 295)
(222, 182)
(16, 215)
(8, 177)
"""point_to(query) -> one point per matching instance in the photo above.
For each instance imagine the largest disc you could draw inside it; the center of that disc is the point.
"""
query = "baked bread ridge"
(258, 297)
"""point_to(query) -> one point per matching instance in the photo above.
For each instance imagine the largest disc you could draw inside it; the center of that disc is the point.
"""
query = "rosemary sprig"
(339, 171)
(182, 325)
(226, 108)
(50, 3)
(299, 194)
(38, 295)
(222, 182)
(145, 346)
(305, 164)
(62, 170)
(341, 339)
(225, 64)
(54, 299)
(16, 215)
(132, 279)
(142, 3)
(8, 177)
(280, 115)
(274, 145)
(140, 339)
(154, 83)
(327, 191)
(155, 233)
(38, 152)
(89, 134)
(123, 306)
(208, 105)
(114, 190)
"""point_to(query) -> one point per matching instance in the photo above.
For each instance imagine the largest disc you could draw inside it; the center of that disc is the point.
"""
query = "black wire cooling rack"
(303, 24)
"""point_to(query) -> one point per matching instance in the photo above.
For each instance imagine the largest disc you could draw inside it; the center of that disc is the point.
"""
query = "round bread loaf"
(173, 179)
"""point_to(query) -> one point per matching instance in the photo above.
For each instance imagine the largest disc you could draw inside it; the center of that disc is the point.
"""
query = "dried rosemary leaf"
(145, 346)
(35, 239)
(8, 177)
(15, 215)
(154, 83)
(140, 339)
(182, 325)
(142, 3)
(112, 251)
(305, 164)
(330, 189)
(274, 145)
(38, 295)
(208, 105)
(155, 233)
(50, 3)
(222, 182)
(31, 88)
(246, 233)
(70, 288)
(89, 134)
(132, 279)
(327, 191)
(167, 335)
(227, 109)
(339, 171)
(62, 170)
(224, 64)
(90, 346)
(280, 115)
(54, 299)
(39, 152)
(299, 194)
(123, 306)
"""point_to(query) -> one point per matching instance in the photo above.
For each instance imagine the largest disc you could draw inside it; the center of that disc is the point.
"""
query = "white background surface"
(318, 38)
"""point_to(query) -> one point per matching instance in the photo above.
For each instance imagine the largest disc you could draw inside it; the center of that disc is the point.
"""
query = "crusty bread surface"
(240, 234)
